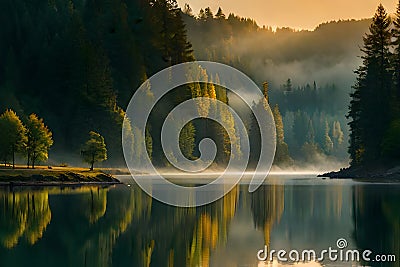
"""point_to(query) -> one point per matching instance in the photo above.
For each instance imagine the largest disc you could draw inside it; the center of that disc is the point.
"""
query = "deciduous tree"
(39, 140)
(94, 150)
(12, 136)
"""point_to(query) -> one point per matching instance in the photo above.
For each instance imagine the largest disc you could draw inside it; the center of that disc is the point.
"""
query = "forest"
(77, 63)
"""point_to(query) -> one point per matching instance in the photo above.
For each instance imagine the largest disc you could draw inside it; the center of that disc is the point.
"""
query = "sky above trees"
(304, 14)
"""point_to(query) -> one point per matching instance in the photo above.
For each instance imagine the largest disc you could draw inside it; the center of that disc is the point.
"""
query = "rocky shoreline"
(379, 174)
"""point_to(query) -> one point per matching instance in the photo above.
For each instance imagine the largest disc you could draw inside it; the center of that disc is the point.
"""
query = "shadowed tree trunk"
(33, 160)
(13, 154)
(92, 162)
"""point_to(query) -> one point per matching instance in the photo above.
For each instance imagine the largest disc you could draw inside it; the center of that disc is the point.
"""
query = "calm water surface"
(122, 226)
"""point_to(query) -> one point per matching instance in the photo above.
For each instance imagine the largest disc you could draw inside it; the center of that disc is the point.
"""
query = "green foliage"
(280, 136)
(230, 137)
(396, 59)
(370, 117)
(187, 140)
(76, 62)
(94, 150)
(39, 140)
(328, 145)
(337, 133)
(391, 144)
(129, 140)
(300, 127)
(220, 14)
(12, 136)
(149, 143)
(282, 156)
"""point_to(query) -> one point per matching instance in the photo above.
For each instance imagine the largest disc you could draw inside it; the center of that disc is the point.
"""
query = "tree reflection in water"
(377, 221)
(119, 226)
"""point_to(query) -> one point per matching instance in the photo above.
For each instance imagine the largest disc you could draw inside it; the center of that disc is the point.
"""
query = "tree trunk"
(92, 162)
(29, 156)
(33, 161)
(13, 153)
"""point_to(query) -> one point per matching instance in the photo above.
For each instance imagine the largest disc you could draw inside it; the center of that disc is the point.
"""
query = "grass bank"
(42, 175)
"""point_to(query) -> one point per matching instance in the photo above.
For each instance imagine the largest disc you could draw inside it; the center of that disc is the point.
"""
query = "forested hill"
(309, 73)
(76, 63)
(328, 54)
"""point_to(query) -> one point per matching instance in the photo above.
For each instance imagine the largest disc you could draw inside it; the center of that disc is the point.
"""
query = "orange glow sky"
(298, 14)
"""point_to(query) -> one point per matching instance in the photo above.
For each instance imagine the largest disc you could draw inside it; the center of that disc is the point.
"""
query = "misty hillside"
(326, 55)
(316, 67)
(76, 65)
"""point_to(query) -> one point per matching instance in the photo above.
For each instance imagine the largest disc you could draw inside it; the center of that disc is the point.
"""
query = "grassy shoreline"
(44, 176)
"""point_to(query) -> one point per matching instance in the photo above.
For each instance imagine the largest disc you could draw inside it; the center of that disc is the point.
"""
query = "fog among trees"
(77, 63)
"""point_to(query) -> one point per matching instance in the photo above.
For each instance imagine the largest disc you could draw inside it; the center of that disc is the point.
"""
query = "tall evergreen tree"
(282, 156)
(391, 144)
(372, 91)
(396, 56)
(208, 13)
(337, 134)
(220, 14)
(328, 143)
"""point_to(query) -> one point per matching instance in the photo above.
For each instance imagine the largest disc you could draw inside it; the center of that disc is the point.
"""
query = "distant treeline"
(326, 55)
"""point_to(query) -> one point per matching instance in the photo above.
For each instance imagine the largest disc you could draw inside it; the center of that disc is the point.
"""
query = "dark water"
(122, 226)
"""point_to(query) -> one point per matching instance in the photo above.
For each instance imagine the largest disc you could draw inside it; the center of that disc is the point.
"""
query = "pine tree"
(328, 143)
(202, 15)
(208, 13)
(288, 85)
(172, 40)
(369, 117)
(301, 127)
(396, 56)
(220, 14)
(187, 10)
(280, 136)
(337, 134)
(310, 137)
(266, 91)
(391, 144)
(282, 151)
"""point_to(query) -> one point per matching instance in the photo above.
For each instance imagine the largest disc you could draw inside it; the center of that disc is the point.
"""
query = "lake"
(122, 226)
